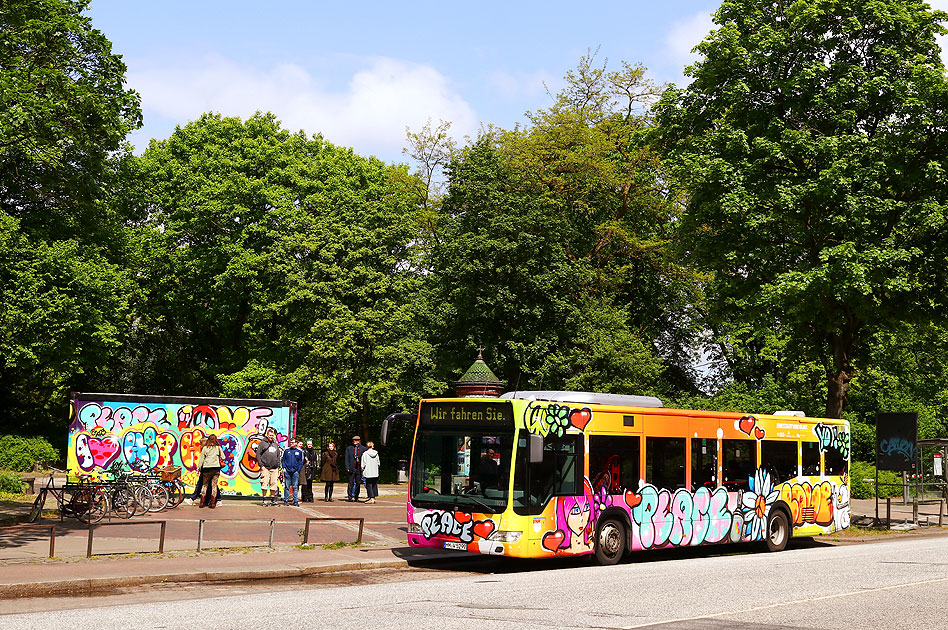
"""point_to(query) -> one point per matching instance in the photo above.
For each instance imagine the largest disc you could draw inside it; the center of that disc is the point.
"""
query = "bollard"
(941, 512)
(272, 521)
(915, 510)
(888, 512)
(200, 533)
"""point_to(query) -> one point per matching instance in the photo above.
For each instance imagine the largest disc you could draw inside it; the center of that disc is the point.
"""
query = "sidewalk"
(125, 553)
(241, 527)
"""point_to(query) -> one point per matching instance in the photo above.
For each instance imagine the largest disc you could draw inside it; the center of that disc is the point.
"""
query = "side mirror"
(386, 425)
(534, 449)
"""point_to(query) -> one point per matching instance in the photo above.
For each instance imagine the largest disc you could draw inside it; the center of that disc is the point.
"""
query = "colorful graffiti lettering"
(677, 518)
(834, 438)
(552, 419)
(748, 425)
(460, 525)
(145, 436)
(230, 444)
(809, 504)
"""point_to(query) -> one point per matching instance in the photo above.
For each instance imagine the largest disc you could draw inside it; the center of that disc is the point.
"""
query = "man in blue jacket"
(354, 468)
(292, 463)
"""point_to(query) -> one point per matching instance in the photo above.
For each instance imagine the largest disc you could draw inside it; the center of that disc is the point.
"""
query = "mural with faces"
(144, 436)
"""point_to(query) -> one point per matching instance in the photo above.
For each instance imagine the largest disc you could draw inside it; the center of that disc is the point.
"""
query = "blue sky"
(360, 72)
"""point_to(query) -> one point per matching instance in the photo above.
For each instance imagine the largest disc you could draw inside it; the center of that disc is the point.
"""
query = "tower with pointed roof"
(479, 381)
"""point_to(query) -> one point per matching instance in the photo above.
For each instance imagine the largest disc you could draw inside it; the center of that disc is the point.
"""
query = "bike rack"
(52, 534)
(326, 518)
(161, 540)
(200, 537)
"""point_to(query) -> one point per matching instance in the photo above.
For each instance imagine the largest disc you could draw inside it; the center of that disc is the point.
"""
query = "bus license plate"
(455, 545)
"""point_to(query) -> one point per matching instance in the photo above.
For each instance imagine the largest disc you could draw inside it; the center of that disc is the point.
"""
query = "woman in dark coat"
(328, 469)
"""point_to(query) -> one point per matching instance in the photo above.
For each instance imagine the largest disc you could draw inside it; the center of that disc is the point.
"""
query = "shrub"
(10, 483)
(21, 453)
(859, 488)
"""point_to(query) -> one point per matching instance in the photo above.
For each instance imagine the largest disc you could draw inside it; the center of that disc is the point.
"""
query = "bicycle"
(81, 501)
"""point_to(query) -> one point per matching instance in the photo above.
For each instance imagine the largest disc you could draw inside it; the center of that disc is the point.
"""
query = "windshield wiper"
(489, 508)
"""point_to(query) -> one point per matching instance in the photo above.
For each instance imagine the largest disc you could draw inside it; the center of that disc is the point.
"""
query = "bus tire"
(610, 542)
(778, 531)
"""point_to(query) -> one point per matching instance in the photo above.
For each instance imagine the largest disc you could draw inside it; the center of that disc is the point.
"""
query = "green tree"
(278, 265)
(811, 142)
(64, 289)
(63, 110)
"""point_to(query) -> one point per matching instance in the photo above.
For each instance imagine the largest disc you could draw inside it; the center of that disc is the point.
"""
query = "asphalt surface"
(236, 545)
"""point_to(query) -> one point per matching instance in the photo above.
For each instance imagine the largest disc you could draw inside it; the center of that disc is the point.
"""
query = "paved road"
(894, 584)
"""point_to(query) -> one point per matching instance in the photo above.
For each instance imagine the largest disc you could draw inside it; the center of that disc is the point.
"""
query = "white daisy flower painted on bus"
(756, 502)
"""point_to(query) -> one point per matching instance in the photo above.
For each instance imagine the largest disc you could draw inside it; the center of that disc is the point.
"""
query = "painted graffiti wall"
(658, 517)
(143, 434)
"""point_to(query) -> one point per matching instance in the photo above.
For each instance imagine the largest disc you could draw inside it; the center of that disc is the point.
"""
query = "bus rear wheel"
(778, 531)
(610, 542)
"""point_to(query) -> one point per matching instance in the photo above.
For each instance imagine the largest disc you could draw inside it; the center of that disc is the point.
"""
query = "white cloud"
(369, 114)
(685, 35)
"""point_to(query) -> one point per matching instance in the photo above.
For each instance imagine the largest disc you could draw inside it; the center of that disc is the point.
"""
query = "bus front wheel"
(778, 531)
(610, 542)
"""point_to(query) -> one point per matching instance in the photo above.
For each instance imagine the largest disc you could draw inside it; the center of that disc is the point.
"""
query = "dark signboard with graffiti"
(896, 441)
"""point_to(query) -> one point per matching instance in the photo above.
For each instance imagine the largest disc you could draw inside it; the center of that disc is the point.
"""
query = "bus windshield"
(461, 469)
(462, 456)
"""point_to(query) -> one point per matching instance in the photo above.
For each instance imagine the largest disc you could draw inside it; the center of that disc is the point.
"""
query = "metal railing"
(309, 519)
(52, 534)
(161, 540)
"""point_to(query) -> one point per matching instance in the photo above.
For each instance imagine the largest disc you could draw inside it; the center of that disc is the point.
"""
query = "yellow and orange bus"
(542, 474)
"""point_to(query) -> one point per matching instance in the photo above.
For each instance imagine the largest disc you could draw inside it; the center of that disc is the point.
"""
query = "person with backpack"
(293, 461)
(370, 472)
(269, 455)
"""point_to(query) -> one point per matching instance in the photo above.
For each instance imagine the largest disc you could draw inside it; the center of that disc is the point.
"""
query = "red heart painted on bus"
(632, 499)
(579, 418)
(747, 424)
(552, 540)
(483, 528)
(462, 517)
(759, 433)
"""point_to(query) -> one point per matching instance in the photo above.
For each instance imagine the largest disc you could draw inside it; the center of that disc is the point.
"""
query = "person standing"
(209, 463)
(370, 471)
(310, 471)
(329, 470)
(292, 462)
(354, 467)
(269, 454)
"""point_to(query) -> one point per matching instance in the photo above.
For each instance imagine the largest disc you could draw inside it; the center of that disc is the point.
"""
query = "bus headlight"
(507, 537)
(414, 528)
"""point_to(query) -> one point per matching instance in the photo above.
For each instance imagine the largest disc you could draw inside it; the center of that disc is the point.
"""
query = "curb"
(87, 585)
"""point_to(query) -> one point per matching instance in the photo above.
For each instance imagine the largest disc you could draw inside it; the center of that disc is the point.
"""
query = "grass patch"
(858, 531)
(339, 544)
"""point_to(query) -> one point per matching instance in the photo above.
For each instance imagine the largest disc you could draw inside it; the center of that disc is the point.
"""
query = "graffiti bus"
(542, 474)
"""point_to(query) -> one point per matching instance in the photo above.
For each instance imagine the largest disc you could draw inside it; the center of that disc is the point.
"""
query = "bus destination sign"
(481, 414)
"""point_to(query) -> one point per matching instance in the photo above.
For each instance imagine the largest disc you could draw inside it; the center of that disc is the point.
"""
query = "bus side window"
(739, 463)
(704, 463)
(665, 462)
(834, 462)
(614, 462)
(811, 458)
(780, 458)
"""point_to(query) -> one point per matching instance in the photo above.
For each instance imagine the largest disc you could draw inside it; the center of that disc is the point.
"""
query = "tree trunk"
(365, 418)
(837, 379)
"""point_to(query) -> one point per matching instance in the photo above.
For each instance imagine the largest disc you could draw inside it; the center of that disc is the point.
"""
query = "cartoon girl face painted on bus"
(574, 518)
